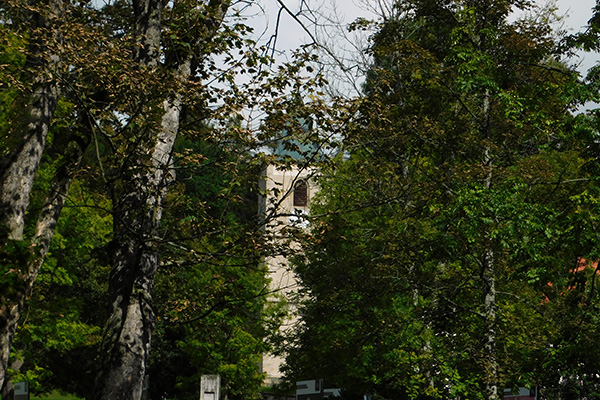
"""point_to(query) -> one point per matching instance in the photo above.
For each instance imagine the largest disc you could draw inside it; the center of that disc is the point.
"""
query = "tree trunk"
(127, 336)
(490, 361)
(489, 277)
(8, 391)
(9, 315)
(128, 332)
(22, 259)
(137, 216)
(18, 171)
(17, 177)
(34, 255)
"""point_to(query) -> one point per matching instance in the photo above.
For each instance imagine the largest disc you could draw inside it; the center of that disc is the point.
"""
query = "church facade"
(285, 202)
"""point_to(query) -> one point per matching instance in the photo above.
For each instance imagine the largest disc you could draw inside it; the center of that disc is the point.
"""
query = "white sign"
(210, 387)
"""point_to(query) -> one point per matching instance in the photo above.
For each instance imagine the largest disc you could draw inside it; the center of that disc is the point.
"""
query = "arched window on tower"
(301, 194)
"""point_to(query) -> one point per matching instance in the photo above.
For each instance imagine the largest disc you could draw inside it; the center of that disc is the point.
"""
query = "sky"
(577, 12)
(291, 34)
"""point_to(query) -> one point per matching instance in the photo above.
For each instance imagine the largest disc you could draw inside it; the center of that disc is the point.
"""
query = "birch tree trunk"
(17, 182)
(489, 277)
(490, 362)
(136, 217)
(18, 171)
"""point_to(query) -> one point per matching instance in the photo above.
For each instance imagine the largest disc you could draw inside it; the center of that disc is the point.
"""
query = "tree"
(209, 292)
(572, 297)
(211, 289)
(33, 82)
(463, 129)
(125, 72)
(58, 339)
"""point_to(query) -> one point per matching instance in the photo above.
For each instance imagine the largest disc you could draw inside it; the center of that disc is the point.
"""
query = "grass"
(55, 395)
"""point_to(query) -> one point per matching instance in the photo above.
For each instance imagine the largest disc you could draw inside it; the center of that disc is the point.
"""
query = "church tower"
(287, 194)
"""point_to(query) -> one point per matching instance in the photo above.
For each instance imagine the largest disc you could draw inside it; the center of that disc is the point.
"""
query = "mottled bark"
(18, 171)
(12, 303)
(128, 332)
(8, 327)
(17, 177)
(21, 258)
(137, 216)
(127, 336)
(489, 277)
(148, 16)
(15, 190)
(490, 306)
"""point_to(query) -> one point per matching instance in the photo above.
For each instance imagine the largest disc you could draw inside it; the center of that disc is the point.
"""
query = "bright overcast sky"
(577, 13)
(291, 35)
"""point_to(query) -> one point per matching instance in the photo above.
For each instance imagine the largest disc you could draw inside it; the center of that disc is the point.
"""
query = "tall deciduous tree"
(439, 213)
(143, 181)
(128, 71)
(35, 85)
